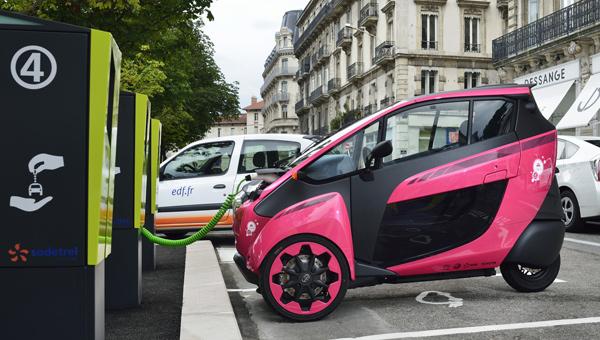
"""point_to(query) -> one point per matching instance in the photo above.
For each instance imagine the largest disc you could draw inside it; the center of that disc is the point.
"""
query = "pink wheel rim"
(305, 278)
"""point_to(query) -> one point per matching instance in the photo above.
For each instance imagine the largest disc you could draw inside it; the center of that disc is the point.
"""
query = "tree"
(165, 55)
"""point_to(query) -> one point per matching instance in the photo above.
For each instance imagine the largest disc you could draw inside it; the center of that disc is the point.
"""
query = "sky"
(243, 34)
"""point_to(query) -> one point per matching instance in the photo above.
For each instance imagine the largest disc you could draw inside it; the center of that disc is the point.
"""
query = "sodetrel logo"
(20, 254)
(17, 253)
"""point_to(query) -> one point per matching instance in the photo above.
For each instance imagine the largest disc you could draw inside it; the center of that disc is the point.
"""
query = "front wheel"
(571, 214)
(304, 277)
(526, 279)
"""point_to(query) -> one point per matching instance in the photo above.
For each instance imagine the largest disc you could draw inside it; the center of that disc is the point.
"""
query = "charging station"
(149, 248)
(124, 265)
(60, 86)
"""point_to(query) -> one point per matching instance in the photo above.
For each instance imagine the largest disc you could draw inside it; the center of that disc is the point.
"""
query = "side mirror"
(381, 150)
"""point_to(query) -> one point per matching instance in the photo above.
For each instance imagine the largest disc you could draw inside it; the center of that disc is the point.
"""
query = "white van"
(194, 182)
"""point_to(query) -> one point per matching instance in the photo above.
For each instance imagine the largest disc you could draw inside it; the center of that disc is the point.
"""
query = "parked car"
(194, 182)
(578, 163)
(443, 186)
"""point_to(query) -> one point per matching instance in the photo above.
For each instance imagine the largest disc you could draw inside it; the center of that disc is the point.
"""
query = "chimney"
(253, 100)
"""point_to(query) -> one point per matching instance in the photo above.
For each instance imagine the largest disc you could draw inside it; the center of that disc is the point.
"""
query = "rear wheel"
(304, 277)
(526, 279)
(571, 215)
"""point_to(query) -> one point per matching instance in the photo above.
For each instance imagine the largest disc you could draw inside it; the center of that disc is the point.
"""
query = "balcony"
(334, 85)
(300, 107)
(350, 117)
(429, 45)
(323, 53)
(370, 109)
(344, 38)
(283, 123)
(281, 97)
(276, 73)
(314, 58)
(322, 131)
(305, 67)
(319, 95)
(311, 29)
(384, 53)
(473, 48)
(569, 21)
(387, 102)
(340, 5)
(368, 15)
(354, 71)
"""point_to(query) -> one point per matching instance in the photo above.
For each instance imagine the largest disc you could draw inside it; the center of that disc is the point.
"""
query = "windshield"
(326, 141)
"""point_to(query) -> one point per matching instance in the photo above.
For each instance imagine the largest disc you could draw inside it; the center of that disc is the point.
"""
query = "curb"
(206, 312)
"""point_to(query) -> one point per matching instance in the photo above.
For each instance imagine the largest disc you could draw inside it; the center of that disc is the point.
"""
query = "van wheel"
(304, 277)
(571, 215)
(526, 279)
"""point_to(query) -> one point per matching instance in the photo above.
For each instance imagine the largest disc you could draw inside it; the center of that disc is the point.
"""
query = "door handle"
(219, 186)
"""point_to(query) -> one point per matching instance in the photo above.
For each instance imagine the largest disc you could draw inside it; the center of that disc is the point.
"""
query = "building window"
(566, 3)
(285, 41)
(256, 117)
(349, 16)
(428, 81)
(428, 31)
(284, 111)
(390, 30)
(472, 35)
(232, 131)
(218, 132)
(284, 86)
(533, 10)
(284, 65)
(471, 80)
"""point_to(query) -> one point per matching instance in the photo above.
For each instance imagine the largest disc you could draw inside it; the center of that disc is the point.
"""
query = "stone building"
(278, 89)
(254, 118)
(228, 127)
(357, 56)
(555, 45)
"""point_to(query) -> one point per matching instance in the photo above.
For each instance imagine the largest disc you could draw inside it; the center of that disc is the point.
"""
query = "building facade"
(555, 45)
(254, 118)
(278, 89)
(358, 56)
(228, 127)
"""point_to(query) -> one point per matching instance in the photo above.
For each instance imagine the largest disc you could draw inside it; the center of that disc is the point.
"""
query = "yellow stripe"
(141, 109)
(156, 129)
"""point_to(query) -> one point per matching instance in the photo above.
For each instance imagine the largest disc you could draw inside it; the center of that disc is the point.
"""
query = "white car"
(578, 175)
(194, 182)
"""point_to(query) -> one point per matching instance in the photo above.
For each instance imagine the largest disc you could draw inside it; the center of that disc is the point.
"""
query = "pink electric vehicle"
(443, 186)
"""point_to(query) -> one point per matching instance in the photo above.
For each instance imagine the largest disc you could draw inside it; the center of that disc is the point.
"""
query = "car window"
(566, 150)
(595, 142)
(207, 159)
(261, 154)
(346, 156)
(491, 118)
(426, 129)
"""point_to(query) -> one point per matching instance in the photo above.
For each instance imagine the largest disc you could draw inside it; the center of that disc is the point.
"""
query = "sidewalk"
(207, 312)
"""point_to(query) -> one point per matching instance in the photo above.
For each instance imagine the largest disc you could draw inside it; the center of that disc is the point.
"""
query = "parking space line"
(588, 243)
(479, 329)
(226, 254)
(555, 280)
(242, 290)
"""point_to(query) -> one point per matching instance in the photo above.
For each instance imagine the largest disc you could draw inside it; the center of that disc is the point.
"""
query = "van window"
(426, 129)
(491, 118)
(261, 154)
(207, 159)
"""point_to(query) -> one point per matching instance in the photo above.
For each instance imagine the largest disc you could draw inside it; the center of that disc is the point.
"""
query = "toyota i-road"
(195, 181)
(442, 186)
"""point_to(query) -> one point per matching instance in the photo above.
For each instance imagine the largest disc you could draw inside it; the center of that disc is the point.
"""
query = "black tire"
(264, 279)
(572, 219)
(516, 277)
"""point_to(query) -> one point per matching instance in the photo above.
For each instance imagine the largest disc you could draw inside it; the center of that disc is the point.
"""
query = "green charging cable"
(200, 234)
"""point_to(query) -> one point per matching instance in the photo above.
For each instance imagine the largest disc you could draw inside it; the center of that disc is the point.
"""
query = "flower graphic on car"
(18, 253)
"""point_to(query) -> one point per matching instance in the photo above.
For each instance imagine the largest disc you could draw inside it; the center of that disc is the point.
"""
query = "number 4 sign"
(30, 75)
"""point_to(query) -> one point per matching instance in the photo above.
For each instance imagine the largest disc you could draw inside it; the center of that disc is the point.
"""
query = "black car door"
(442, 215)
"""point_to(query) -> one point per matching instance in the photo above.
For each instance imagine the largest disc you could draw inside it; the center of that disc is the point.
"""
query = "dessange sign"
(552, 75)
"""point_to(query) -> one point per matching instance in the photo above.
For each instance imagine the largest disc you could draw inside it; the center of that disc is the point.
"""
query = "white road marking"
(588, 243)
(242, 290)
(555, 280)
(226, 254)
(479, 329)
(451, 302)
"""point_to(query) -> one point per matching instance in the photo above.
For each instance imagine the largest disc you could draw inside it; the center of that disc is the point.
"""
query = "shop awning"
(549, 97)
(585, 106)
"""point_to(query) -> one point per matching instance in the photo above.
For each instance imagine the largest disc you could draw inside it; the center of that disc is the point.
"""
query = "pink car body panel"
(524, 196)
(324, 215)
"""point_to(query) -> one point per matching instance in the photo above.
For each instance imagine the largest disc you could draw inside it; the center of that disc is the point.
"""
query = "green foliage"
(165, 55)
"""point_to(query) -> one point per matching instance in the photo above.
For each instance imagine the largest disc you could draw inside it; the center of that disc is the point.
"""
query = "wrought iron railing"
(369, 11)
(472, 47)
(344, 35)
(275, 73)
(323, 13)
(387, 101)
(316, 94)
(334, 84)
(299, 105)
(562, 23)
(370, 109)
(429, 45)
(385, 50)
(354, 70)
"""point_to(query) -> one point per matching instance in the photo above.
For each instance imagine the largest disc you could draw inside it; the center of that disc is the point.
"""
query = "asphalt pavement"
(483, 308)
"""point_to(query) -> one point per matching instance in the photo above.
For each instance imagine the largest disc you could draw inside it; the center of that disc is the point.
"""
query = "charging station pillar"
(124, 265)
(59, 113)
(149, 248)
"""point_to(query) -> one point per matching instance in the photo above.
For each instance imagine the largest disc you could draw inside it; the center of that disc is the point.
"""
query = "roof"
(241, 119)
(255, 106)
